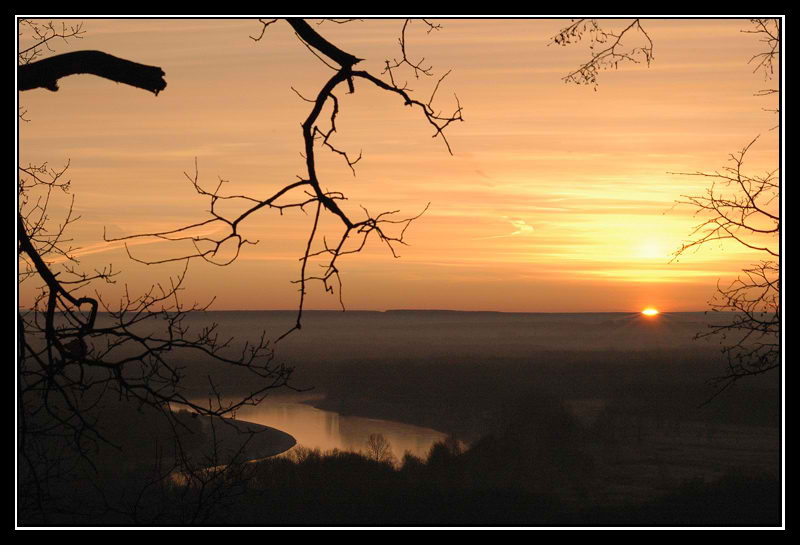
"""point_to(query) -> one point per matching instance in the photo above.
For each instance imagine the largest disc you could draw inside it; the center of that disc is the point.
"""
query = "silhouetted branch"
(744, 209)
(416, 66)
(607, 48)
(769, 33)
(71, 363)
(263, 28)
(42, 34)
(315, 40)
(338, 21)
(45, 73)
(307, 191)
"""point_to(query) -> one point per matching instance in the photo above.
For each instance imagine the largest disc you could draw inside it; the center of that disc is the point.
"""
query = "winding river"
(327, 430)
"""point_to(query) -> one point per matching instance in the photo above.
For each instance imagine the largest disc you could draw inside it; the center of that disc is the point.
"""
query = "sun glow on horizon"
(650, 312)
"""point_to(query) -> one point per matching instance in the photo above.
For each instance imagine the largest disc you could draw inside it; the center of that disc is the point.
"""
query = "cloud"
(522, 229)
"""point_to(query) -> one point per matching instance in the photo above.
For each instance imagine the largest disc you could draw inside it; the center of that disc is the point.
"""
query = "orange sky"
(557, 197)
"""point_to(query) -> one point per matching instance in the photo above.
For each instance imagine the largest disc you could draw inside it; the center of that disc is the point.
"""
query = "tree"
(78, 355)
(744, 208)
(308, 191)
(741, 207)
(379, 448)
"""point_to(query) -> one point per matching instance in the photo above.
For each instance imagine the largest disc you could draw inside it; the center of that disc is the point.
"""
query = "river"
(327, 430)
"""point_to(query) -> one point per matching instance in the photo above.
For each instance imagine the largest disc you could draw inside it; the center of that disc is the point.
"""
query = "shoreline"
(241, 437)
(445, 422)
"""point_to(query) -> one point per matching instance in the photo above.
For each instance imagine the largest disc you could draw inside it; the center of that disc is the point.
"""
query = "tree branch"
(315, 40)
(608, 56)
(46, 72)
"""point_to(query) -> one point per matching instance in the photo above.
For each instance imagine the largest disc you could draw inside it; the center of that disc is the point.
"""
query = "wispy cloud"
(522, 229)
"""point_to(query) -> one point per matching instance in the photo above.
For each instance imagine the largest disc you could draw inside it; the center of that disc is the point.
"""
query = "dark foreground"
(545, 468)
(544, 432)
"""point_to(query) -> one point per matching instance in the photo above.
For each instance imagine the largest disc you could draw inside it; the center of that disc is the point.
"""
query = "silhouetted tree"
(411, 463)
(743, 207)
(308, 192)
(740, 206)
(77, 356)
(379, 448)
(440, 455)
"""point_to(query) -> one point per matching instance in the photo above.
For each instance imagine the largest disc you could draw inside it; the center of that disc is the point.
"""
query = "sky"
(557, 197)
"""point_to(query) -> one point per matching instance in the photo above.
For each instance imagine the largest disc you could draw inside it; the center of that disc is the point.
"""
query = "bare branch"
(743, 209)
(768, 32)
(607, 48)
(78, 355)
(42, 34)
(70, 359)
(416, 66)
(263, 28)
(746, 208)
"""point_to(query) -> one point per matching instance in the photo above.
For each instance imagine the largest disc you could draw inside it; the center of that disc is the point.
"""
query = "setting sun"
(650, 312)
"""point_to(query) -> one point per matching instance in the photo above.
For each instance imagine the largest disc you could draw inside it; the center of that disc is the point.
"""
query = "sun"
(650, 312)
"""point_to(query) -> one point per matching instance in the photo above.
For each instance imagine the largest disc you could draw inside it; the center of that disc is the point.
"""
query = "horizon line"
(443, 310)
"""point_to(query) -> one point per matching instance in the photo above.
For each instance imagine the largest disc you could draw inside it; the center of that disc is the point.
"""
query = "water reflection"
(328, 430)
